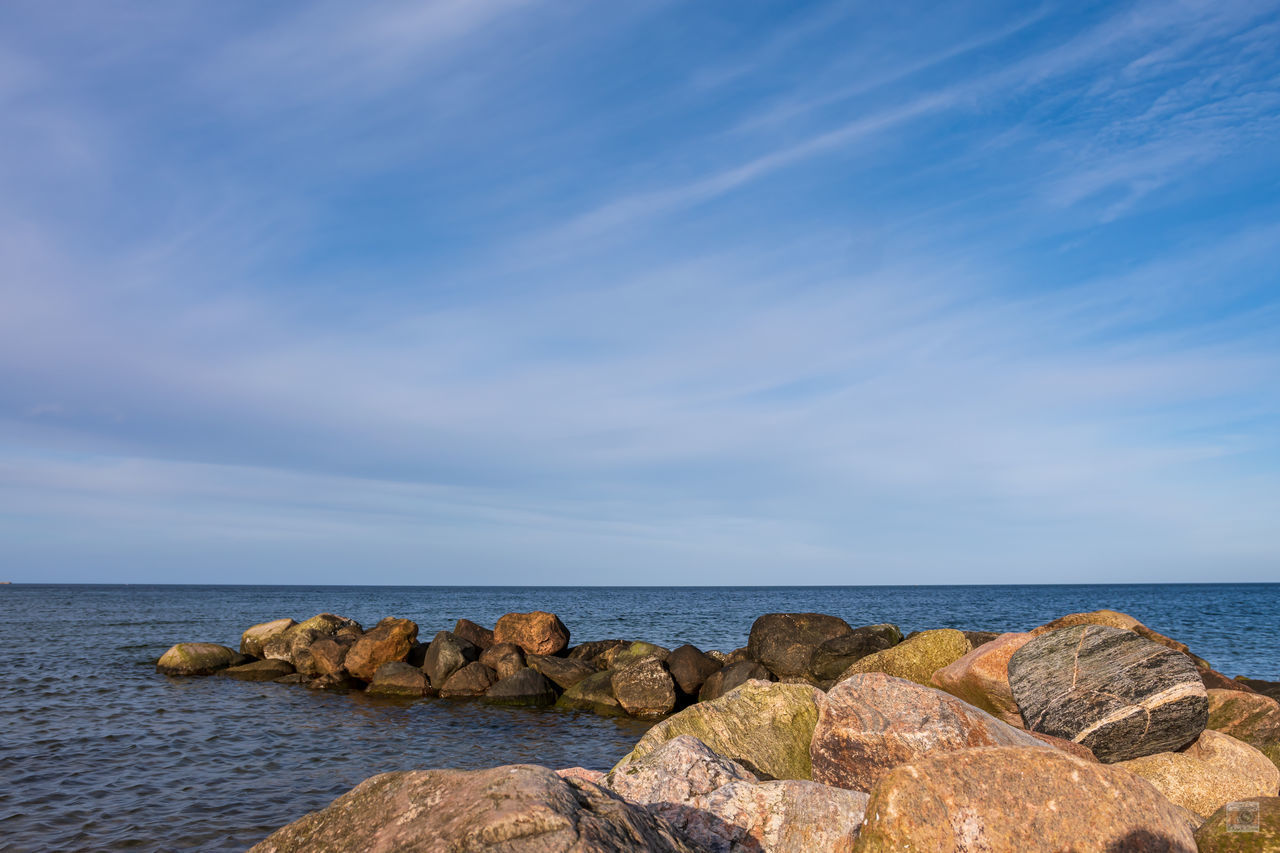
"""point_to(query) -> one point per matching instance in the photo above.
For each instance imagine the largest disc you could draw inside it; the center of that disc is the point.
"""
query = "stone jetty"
(1090, 733)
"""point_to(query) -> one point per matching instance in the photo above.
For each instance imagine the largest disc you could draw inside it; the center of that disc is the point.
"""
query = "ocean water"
(99, 752)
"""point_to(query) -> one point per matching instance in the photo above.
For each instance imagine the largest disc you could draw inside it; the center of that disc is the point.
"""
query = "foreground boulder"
(731, 676)
(1245, 826)
(1250, 717)
(387, 642)
(764, 726)
(513, 809)
(1030, 800)
(526, 687)
(673, 775)
(398, 679)
(258, 670)
(784, 642)
(872, 722)
(645, 689)
(253, 639)
(538, 633)
(836, 655)
(981, 677)
(593, 693)
(197, 659)
(1212, 771)
(1107, 688)
(916, 658)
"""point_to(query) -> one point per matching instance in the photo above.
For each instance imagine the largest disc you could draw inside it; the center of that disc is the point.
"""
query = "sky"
(646, 293)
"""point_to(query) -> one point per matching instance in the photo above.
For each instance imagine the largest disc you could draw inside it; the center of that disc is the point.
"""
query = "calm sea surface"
(99, 752)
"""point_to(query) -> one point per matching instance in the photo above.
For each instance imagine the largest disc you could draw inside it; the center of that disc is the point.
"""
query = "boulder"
(738, 655)
(198, 659)
(1250, 717)
(259, 670)
(834, 656)
(400, 679)
(1120, 695)
(717, 656)
(675, 773)
(512, 809)
(981, 677)
(1214, 770)
(338, 682)
(1214, 680)
(593, 651)
(447, 654)
(387, 642)
(872, 722)
(690, 668)
(645, 689)
(538, 633)
(252, 640)
(980, 638)
(593, 776)
(593, 693)
(1245, 826)
(734, 674)
(1031, 800)
(1257, 685)
(784, 642)
(327, 655)
(623, 656)
(764, 726)
(477, 635)
(289, 645)
(783, 816)
(1116, 619)
(563, 672)
(474, 679)
(916, 658)
(525, 687)
(504, 659)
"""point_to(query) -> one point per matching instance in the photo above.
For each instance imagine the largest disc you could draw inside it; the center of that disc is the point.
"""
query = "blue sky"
(481, 291)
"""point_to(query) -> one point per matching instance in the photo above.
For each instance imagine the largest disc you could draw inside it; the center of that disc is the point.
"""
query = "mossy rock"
(1245, 826)
(916, 658)
(198, 659)
(593, 693)
(626, 656)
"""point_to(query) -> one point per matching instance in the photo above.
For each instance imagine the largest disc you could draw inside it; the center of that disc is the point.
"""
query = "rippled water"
(99, 752)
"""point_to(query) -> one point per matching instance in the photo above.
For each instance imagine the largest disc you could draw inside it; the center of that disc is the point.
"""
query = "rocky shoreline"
(1092, 732)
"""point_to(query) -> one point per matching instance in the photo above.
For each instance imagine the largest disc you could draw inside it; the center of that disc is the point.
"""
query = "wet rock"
(593, 693)
(512, 809)
(645, 689)
(784, 642)
(446, 655)
(784, 816)
(592, 652)
(387, 642)
(1030, 800)
(1250, 717)
(1245, 826)
(564, 673)
(731, 676)
(474, 679)
(525, 687)
(981, 677)
(872, 723)
(690, 668)
(538, 633)
(764, 726)
(259, 670)
(1214, 770)
(504, 659)
(836, 655)
(624, 656)
(399, 679)
(916, 658)
(339, 682)
(291, 678)
(477, 635)
(1107, 688)
(252, 640)
(198, 659)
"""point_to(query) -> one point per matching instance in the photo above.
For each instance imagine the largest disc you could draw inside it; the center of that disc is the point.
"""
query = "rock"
(398, 678)
(764, 726)
(739, 655)
(198, 659)
(330, 624)
(675, 772)
(690, 668)
(327, 655)
(511, 809)
(784, 642)
(1116, 619)
(291, 678)
(563, 672)
(717, 656)
(872, 722)
(1214, 680)
(593, 776)
(784, 816)
(645, 689)
(623, 656)
(387, 642)
(1250, 717)
(1257, 685)
(290, 645)
(259, 670)
(1246, 826)
(538, 633)
(981, 677)
(475, 634)
(1068, 746)
(339, 682)
(446, 655)
(251, 641)
(1030, 800)
(980, 638)
(474, 679)
(593, 693)
(916, 658)
(525, 687)
(834, 656)
(1109, 689)
(504, 659)
(734, 674)
(591, 652)
(1214, 770)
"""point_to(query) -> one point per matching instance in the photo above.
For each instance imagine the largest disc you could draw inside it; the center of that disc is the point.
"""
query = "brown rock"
(980, 638)
(473, 633)
(981, 677)
(447, 654)
(510, 809)
(252, 640)
(1245, 826)
(258, 670)
(564, 673)
(1030, 800)
(525, 688)
(399, 679)
(474, 679)
(328, 655)
(721, 682)
(1250, 717)
(593, 693)
(645, 689)
(873, 722)
(1067, 746)
(538, 633)
(784, 642)
(836, 655)
(1257, 685)
(1214, 680)
(690, 668)
(1214, 770)
(1114, 619)
(503, 658)
(593, 651)
(291, 644)
(388, 642)
(198, 659)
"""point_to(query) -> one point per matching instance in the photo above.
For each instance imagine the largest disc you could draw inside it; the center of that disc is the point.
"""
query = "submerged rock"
(259, 670)
(981, 677)
(198, 659)
(785, 642)
(916, 658)
(1214, 770)
(538, 633)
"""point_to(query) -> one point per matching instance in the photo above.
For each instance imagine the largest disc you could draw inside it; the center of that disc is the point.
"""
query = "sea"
(100, 752)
